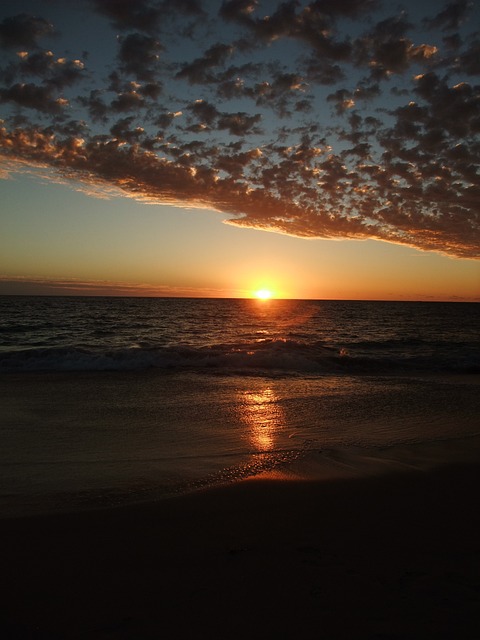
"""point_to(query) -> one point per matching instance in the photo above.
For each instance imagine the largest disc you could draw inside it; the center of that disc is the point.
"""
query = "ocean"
(109, 401)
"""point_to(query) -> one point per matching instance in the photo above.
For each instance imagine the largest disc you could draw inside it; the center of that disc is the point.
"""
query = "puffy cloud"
(455, 108)
(139, 55)
(56, 72)
(317, 69)
(33, 97)
(310, 121)
(304, 193)
(451, 17)
(342, 99)
(145, 15)
(239, 124)
(164, 120)
(312, 24)
(95, 105)
(130, 14)
(204, 111)
(387, 50)
(130, 100)
(122, 131)
(469, 60)
(199, 71)
(23, 30)
(239, 10)
(280, 92)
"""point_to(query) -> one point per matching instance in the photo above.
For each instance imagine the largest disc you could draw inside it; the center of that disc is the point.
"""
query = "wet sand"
(393, 556)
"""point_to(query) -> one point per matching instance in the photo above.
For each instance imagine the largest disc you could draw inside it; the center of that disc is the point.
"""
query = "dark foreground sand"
(391, 557)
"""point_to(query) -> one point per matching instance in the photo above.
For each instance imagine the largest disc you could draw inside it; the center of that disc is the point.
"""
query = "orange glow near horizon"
(263, 294)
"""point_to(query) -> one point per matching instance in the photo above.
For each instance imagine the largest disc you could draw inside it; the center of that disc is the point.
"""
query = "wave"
(269, 355)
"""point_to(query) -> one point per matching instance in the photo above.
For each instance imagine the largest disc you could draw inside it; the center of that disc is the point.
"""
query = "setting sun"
(263, 294)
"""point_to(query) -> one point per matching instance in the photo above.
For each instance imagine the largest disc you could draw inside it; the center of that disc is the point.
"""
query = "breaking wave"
(259, 356)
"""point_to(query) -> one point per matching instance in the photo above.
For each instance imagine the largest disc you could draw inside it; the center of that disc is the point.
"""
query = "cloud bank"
(345, 119)
(74, 287)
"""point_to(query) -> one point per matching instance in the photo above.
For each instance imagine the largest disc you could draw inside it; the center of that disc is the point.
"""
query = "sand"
(393, 556)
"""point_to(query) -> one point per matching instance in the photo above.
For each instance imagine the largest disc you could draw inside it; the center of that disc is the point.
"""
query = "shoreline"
(395, 555)
(61, 453)
(312, 465)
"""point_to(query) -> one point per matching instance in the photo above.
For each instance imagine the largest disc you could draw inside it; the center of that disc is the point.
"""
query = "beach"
(394, 555)
(220, 469)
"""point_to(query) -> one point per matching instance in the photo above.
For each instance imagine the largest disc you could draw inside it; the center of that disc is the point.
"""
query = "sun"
(263, 294)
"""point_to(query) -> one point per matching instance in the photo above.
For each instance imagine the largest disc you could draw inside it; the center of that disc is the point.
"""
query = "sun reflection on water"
(263, 415)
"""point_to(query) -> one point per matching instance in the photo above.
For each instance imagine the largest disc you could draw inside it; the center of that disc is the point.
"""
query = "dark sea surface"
(109, 400)
(119, 334)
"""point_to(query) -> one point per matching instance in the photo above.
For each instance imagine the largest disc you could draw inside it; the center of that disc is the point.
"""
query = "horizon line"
(260, 301)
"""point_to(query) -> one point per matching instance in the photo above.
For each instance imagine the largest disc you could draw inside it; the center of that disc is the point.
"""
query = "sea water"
(111, 400)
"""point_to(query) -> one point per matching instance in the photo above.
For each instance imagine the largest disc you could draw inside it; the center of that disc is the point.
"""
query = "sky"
(323, 149)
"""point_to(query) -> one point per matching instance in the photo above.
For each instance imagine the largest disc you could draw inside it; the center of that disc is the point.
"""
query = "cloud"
(387, 50)
(199, 71)
(55, 72)
(342, 99)
(469, 60)
(239, 124)
(23, 30)
(323, 119)
(130, 100)
(123, 132)
(318, 70)
(33, 96)
(73, 287)
(330, 200)
(312, 24)
(96, 107)
(204, 111)
(451, 17)
(144, 15)
(139, 55)
(130, 14)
